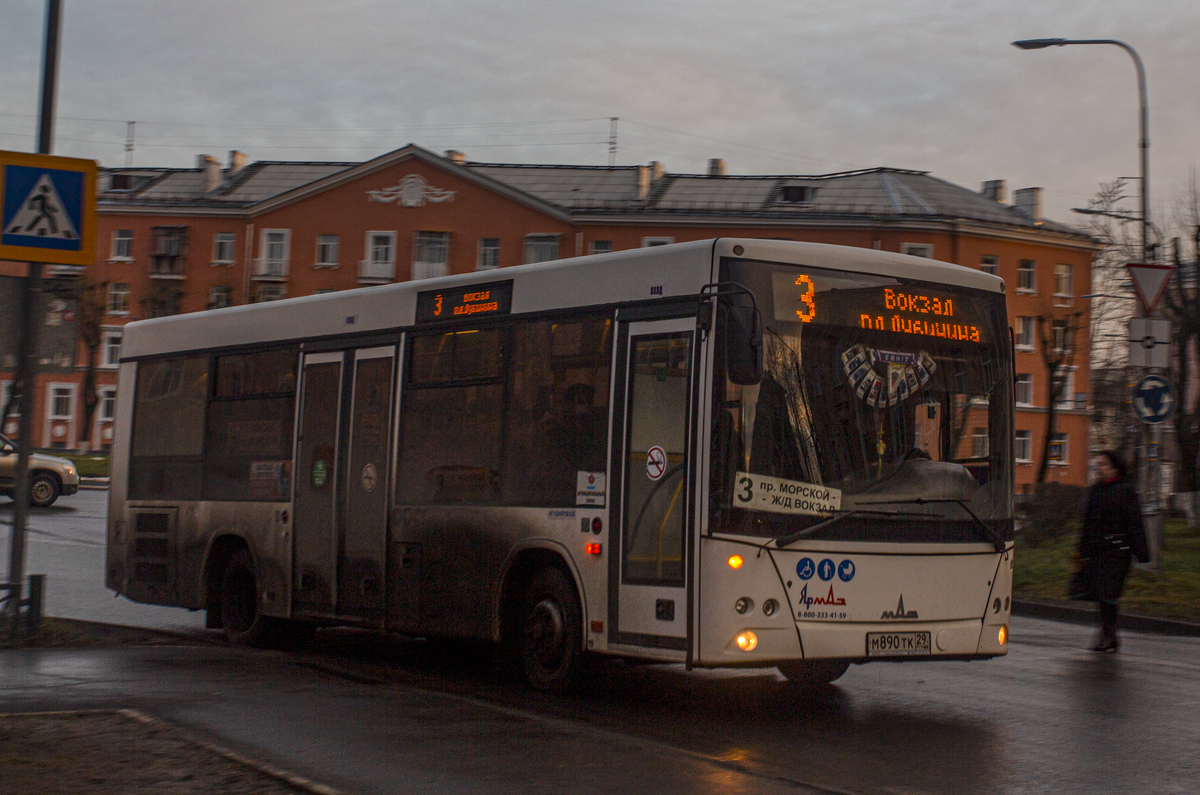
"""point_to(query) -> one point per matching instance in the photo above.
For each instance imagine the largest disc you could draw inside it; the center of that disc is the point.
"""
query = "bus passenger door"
(364, 529)
(313, 583)
(655, 467)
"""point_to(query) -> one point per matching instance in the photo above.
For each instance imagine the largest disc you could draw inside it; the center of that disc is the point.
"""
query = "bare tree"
(1183, 307)
(93, 301)
(1057, 330)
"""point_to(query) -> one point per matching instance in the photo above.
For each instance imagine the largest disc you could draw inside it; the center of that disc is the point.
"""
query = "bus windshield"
(884, 401)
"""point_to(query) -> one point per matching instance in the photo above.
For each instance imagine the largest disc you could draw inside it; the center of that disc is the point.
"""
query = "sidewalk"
(1086, 613)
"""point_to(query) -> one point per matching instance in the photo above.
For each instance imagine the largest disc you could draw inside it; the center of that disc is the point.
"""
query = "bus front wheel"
(240, 619)
(550, 631)
(813, 673)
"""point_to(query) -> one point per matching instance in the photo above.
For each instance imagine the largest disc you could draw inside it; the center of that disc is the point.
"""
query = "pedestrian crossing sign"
(47, 209)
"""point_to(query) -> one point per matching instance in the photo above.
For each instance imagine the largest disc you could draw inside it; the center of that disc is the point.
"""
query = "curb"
(1059, 611)
(93, 483)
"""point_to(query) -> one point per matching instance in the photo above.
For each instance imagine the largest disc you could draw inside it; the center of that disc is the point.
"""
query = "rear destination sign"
(776, 495)
(460, 303)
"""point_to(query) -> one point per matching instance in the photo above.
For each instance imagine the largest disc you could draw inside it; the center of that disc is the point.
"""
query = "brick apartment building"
(186, 240)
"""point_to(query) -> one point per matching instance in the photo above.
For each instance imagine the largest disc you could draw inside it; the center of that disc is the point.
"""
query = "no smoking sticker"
(656, 462)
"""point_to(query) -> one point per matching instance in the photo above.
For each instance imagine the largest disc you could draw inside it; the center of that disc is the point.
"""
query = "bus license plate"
(897, 644)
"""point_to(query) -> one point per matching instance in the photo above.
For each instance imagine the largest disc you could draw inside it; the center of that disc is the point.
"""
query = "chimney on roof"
(455, 156)
(210, 169)
(716, 167)
(1029, 203)
(237, 161)
(995, 190)
(648, 177)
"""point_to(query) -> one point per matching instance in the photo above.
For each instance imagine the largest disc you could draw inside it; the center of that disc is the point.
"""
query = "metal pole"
(32, 320)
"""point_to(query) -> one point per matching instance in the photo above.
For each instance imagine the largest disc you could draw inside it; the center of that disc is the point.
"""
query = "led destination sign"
(493, 298)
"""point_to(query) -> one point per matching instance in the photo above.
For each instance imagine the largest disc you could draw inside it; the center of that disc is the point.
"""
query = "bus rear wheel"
(550, 631)
(240, 618)
(813, 673)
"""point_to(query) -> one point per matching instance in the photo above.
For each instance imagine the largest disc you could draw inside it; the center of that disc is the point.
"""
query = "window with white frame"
(381, 248)
(979, 442)
(600, 247)
(917, 250)
(1059, 449)
(989, 263)
(275, 252)
(431, 254)
(1023, 447)
(112, 349)
(327, 251)
(219, 297)
(118, 298)
(1024, 389)
(650, 242)
(1026, 332)
(107, 409)
(1063, 282)
(1061, 336)
(223, 248)
(61, 400)
(122, 244)
(1027, 275)
(1066, 397)
(489, 254)
(541, 248)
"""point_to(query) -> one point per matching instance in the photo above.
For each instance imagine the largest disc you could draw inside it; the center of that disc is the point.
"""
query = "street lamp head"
(1038, 44)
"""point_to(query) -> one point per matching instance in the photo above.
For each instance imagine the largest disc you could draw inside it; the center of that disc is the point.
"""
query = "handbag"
(1079, 589)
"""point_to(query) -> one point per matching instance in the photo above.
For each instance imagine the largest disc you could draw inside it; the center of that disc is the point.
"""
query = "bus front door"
(650, 607)
(341, 495)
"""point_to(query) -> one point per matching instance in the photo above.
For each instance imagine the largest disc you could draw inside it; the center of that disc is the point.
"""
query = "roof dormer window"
(797, 194)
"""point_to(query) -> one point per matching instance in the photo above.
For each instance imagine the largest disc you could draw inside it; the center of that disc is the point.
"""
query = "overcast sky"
(771, 86)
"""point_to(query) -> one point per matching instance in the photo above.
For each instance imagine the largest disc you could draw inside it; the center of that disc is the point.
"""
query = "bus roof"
(658, 272)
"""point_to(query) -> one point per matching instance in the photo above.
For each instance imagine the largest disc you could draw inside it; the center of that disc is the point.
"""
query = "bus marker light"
(736, 562)
(593, 549)
(746, 640)
(598, 625)
(1003, 637)
(597, 525)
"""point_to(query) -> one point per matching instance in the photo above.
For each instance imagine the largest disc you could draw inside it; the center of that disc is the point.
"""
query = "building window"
(1066, 394)
(979, 442)
(223, 248)
(219, 297)
(275, 251)
(1024, 389)
(112, 349)
(600, 247)
(1025, 332)
(118, 298)
(1059, 449)
(1063, 284)
(60, 402)
(270, 292)
(122, 244)
(1023, 446)
(797, 194)
(327, 251)
(489, 254)
(108, 404)
(170, 249)
(541, 248)
(651, 242)
(431, 254)
(917, 250)
(1027, 275)
(381, 247)
(990, 263)
(1062, 336)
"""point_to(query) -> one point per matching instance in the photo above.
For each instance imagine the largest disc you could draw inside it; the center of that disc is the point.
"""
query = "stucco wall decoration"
(413, 191)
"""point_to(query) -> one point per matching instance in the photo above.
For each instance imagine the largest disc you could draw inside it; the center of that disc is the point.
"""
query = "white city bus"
(721, 453)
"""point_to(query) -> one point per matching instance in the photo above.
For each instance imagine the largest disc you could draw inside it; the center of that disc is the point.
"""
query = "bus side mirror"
(743, 345)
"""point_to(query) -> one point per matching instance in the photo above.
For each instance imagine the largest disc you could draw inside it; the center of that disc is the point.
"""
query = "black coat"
(1112, 535)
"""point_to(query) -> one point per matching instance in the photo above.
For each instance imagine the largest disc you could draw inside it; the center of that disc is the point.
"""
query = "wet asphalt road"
(371, 714)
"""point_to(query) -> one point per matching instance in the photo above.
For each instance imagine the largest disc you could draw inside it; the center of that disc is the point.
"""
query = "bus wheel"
(239, 602)
(813, 673)
(550, 631)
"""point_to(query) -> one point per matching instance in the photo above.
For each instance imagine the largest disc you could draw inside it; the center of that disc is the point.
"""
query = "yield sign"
(1150, 282)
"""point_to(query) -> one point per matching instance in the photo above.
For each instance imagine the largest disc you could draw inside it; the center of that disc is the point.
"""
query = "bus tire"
(43, 490)
(813, 673)
(550, 631)
(240, 618)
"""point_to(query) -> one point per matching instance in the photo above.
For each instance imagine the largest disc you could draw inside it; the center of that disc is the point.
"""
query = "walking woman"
(1112, 535)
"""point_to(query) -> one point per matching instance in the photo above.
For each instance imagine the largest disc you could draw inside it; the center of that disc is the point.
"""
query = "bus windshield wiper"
(783, 541)
(988, 532)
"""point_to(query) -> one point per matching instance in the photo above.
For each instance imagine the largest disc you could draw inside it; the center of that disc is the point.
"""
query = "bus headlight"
(746, 640)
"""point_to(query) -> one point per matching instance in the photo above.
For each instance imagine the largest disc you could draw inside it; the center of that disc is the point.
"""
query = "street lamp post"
(1147, 469)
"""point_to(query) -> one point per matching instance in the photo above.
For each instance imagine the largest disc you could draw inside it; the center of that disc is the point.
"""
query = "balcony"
(370, 272)
(270, 270)
(167, 267)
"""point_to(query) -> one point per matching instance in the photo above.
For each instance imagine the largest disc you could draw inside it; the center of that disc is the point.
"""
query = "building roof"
(597, 191)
